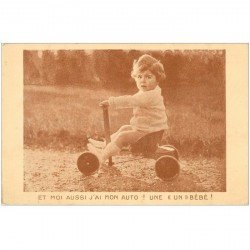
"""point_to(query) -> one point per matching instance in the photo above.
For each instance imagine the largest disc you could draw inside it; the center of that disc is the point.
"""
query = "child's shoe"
(96, 151)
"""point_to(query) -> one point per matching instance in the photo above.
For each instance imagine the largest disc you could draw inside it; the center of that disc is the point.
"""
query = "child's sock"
(110, 150)
(96, 151)
(97, 144)
(102, 155)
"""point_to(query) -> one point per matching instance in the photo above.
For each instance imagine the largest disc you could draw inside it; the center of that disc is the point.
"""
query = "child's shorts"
(126, 135)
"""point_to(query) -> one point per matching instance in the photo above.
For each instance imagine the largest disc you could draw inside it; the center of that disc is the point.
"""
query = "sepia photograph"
(124, 120)
(125, 124)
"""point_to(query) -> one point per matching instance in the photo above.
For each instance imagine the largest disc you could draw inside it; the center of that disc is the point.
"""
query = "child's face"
(146, 81)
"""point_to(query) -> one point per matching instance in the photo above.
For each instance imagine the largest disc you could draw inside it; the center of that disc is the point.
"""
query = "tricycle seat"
(147, 144)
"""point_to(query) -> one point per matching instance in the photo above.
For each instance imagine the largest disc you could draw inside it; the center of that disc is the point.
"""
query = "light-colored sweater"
(149, 113)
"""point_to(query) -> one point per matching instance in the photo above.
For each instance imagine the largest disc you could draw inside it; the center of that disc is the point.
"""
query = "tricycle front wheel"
(88, 163)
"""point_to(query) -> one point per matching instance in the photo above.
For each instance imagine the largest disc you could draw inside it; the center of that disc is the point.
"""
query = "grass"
(63, 117)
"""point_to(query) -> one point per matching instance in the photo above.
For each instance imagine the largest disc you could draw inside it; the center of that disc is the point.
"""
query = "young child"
(149, 114)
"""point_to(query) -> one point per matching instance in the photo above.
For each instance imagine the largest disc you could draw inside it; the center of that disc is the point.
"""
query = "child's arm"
(130, 101)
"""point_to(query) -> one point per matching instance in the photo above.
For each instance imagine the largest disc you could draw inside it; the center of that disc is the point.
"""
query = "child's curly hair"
(147, 62)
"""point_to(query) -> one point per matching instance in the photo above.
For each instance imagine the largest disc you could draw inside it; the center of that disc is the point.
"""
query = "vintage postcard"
(125, 124)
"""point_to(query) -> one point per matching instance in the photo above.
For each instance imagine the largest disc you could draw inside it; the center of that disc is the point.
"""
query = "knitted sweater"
(149, 113)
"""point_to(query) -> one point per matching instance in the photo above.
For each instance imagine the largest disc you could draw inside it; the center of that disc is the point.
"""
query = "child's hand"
(104, 103)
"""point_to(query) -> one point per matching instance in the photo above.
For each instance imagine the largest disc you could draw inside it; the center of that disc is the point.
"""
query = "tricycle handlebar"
(106, 126)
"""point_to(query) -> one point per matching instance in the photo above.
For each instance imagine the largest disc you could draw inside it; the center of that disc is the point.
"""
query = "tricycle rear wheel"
(167, 168)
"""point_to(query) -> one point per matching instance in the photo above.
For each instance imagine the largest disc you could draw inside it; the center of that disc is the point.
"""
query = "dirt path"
(55, 171)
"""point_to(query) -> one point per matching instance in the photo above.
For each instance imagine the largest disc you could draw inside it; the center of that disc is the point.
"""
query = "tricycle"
(167, 166)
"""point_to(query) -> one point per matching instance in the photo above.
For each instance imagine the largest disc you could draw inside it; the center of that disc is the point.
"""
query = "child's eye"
(149, 77)
(139, 76)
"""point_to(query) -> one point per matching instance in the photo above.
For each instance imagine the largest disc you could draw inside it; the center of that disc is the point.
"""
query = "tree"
(31, 71)
(48, 67)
